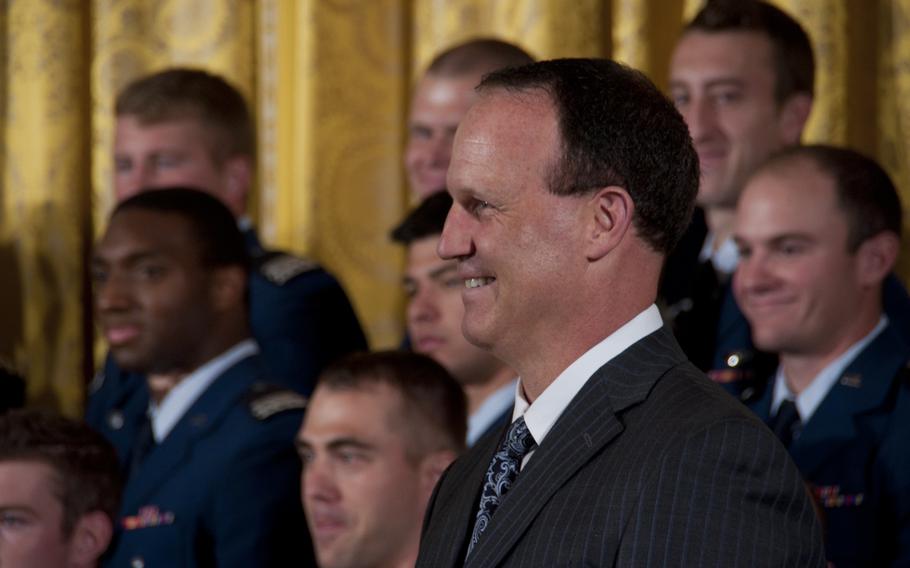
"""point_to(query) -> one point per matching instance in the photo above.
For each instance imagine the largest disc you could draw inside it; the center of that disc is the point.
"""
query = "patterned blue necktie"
(501, 475)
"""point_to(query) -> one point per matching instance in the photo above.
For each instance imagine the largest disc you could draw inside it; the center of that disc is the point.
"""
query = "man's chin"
(129, 361)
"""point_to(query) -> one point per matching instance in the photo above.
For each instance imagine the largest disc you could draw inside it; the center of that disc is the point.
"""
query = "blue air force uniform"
(222, 487)
(300, 316)
(854, 452)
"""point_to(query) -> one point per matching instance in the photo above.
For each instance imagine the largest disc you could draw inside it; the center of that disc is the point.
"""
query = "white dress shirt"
(724, 259)
(549, 406)
(178, 400)
(491, 409)
(807, 402)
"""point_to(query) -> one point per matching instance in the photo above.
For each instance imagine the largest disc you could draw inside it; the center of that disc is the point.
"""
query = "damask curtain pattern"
(329, 81)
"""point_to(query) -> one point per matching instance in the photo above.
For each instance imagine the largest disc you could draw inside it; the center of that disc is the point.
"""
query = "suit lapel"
(863, 386)
(586, 426)
(460, 504)
(204, 415)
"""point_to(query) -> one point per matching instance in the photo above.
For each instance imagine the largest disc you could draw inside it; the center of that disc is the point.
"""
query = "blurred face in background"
(364, 491)
(435, 312)
(177, 152)
(797, 282)
(437, 108)
(723, 84)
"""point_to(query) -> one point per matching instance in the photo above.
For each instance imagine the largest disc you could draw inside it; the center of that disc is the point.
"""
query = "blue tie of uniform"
(787, 423)
(501, 475)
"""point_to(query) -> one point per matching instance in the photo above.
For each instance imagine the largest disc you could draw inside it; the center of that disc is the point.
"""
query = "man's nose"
(455, 241)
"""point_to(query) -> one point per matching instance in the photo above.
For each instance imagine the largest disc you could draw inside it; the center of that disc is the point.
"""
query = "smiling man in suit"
(211, 467)
(818, 230)
(571, 180)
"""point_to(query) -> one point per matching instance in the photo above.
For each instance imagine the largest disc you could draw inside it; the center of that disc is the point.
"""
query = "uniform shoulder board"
(267, 400)
(280, 267)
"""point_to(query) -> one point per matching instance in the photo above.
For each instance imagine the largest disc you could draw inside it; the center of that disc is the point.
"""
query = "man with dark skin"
(215, 446)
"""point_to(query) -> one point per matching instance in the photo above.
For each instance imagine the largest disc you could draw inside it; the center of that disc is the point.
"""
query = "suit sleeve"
(726, 495)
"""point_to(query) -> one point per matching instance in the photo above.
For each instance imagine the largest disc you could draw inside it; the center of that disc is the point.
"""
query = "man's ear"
(237, 179)
(610, 211)
(876, 257)
(431, 468)
(228, 287)
(91, 537)
(794, 114)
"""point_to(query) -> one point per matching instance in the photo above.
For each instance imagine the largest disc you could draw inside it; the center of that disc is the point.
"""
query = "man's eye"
(150, 271)
(11, 520)
(420, 132)
(167, 161)
(453, 282)
(410, 289)
(680, 99)
(98, 276)
(122, 165)
(306, 457)
(351, 458)
(478, 206)
(726, 97)
(791, 249)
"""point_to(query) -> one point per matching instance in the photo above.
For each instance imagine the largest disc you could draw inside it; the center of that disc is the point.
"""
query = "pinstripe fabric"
(650, 465)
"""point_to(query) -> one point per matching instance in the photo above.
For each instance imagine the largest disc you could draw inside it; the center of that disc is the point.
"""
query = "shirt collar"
(177, 402)
(808, 401)
(724, 259)
(491, 409)
(549, 406)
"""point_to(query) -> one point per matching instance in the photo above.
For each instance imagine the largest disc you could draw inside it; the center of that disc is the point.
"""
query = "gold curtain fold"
(330, 82)
(893, 112)
(546, 28)
(45, 182)
(335, 95)
(826, 23)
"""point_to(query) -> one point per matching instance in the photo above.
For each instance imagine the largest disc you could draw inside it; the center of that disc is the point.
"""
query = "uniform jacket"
(855, 454)
(650, 465)
(222, 489)
(300, 316)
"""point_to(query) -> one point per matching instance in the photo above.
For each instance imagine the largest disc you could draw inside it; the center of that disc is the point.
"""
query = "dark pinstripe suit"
(650, 465)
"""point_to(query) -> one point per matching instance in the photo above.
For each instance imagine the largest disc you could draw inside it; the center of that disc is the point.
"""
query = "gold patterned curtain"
(330, 82)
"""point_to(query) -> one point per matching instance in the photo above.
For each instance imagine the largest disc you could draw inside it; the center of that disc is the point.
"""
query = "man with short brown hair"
(379, 431)
(60, 488)
(818, 230)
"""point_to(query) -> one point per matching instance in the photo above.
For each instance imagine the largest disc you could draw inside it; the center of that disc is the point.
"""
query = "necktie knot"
(519, 440)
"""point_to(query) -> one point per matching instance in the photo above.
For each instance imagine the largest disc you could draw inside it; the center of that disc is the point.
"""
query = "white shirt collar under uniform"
(491, 409)
(724, 259)
(808, 401)
(177, 402)
(549, 406)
